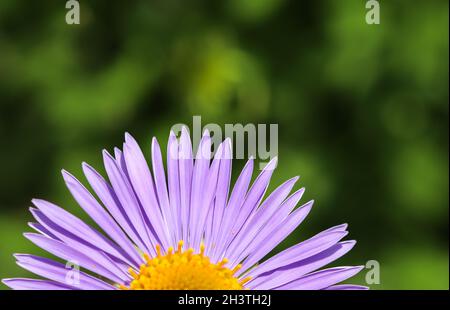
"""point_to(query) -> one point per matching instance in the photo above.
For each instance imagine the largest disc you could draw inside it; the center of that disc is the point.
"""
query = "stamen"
(223, 262)
(170, 251)
(184, 270)
(133, 274)
(147, 258)
(202, 249)
(190, 251)
(180, 246)
(236, 268)
(158, 250)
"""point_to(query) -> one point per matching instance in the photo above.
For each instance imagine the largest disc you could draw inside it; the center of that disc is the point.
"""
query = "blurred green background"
(362, 109)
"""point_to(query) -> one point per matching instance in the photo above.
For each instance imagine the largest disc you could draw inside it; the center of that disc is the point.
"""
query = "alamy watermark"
(373, 12)
(250, 140)
(73, 273)
(373, 274)
(73, 12)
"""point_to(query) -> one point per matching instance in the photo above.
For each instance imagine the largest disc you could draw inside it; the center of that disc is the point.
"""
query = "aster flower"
(188, 229)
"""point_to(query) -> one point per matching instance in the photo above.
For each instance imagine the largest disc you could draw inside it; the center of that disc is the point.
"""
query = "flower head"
(184, 229)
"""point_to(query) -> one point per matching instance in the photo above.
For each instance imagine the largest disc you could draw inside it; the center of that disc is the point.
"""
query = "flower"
(188, 230)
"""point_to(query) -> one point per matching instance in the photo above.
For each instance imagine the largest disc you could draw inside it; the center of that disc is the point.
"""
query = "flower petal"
(33, 284)
(259, 218)
(223, 185)
(298, 269)
(254, 197)
(127, 198)
(300, 251)
(185, 165)
(279, 233)
(95, 261)
(42, 230)
(201, 167)
(142, 184)
(58, 272)
(322, 279)
(78, 228)
(347, 287)
(207, 205)
(174, 184)
(232, 208)
(161, 190)
(106, 194)
(101, 217)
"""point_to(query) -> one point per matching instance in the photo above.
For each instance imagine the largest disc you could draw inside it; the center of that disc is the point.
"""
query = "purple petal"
(254, 196)
(282, 213)
(322, 279)
(265, 245)
(174, 184)
(33, 284)
(276, 219)
(95, 261)
(259, 218)
(120, 161)
(58, 272)
(142, 182)
(300, 251)
(42, 230)
(223, 185)
(347, 287)
(76, 242)
(185, 164)
(208, 229)
(125, 195)
(233, 207)
(101, 217)
(161, 190)
(298, 269)
(210, 189)
(207, 202)
(78, 228)
(106, 194)
(201, 167)
(341, 227)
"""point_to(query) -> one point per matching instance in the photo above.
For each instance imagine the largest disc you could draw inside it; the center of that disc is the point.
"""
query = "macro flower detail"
(184, 229)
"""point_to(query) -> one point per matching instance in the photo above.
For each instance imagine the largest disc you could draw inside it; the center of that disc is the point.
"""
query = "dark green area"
(362, 109)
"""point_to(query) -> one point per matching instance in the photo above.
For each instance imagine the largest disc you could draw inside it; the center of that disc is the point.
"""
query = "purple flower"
(188, 229)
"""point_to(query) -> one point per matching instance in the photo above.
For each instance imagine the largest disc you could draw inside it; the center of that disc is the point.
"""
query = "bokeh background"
(362, 109)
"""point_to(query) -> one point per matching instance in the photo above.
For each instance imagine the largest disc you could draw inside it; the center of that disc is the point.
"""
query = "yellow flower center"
(184, 270)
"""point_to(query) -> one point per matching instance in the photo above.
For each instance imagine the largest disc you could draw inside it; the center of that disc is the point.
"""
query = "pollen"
(184, 270)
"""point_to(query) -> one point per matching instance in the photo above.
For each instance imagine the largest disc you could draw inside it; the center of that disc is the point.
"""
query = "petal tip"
(128, 136)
